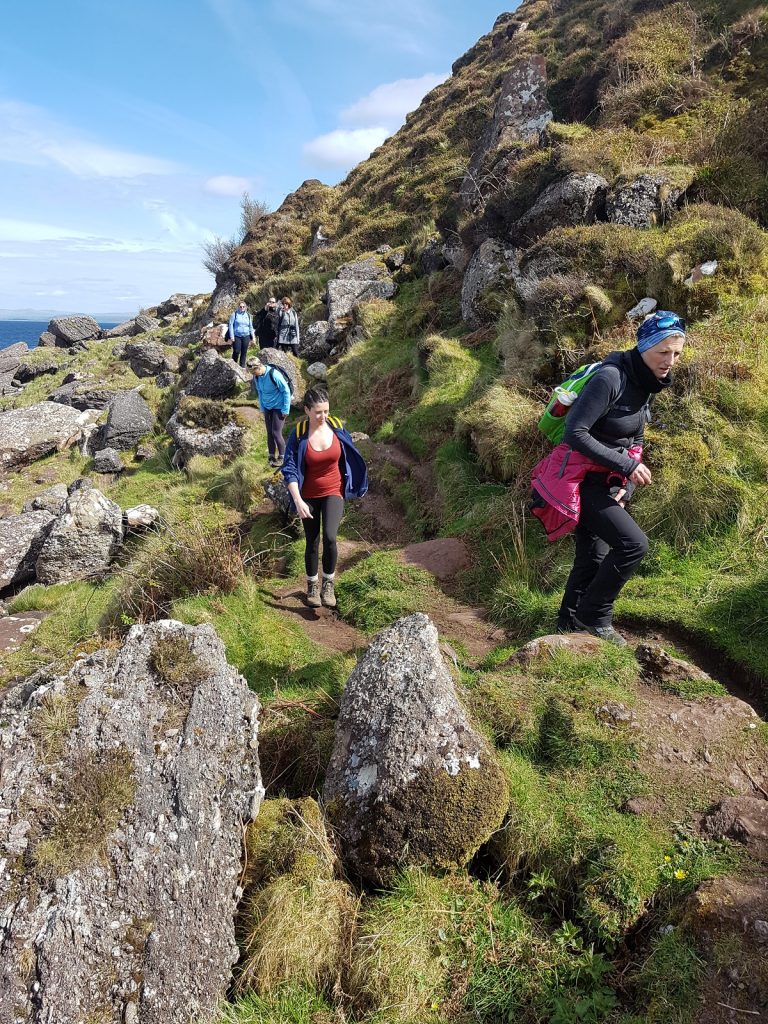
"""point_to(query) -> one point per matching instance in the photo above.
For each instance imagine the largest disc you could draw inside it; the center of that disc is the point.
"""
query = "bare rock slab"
(84, 539)
(69, 330)
(38, 430)
(128, 420)
(132, 917)
(21, 538)
(410, 780)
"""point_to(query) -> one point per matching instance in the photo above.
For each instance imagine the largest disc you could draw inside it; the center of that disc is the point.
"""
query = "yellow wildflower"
(667, 860)
(680, 874)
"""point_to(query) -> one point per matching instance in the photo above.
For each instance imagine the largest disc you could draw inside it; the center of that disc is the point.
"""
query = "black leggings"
(609, 547)
(330, 510)
(275, 421)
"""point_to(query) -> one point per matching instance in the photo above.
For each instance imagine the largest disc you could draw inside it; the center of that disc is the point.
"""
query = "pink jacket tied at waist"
(556, 481)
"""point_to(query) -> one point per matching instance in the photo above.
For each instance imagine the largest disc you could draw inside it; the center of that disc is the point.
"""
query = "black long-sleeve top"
(609, 416)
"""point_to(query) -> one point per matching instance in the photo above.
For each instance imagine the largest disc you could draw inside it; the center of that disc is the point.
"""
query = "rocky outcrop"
(410, 781)
(180, 303)
(83, 540)
(122, 832)
(521, 115)
(39, 430)
(214, 336)
(319, 242)
(432, 258)
(31, 368)
(128, 420)
(315, 343)
(226, 441)
(69, 330)
(46, 340)
(21, 538)
(214, 377)
(367, 268)
(345, 294)
(492, 266)
(123, 330)
(318, 371)
(144, 323)
(576, 199)
(643, 201)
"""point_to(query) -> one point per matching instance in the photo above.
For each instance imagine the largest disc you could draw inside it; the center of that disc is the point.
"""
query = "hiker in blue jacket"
(274, 395)
(322, 468)
(241, 332)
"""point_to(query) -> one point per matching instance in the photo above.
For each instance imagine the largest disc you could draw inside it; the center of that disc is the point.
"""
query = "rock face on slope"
(38, 430)
(410, 781)
(125, 786)
(21, 538)
(128, 420)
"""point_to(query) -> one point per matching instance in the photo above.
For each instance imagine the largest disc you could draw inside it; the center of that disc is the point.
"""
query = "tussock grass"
(296, 919)
(288, 1005)
(204, 414)
(190, 559)
(501, 426)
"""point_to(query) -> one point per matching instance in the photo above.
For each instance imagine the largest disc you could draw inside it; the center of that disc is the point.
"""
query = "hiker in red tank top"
(322, 475)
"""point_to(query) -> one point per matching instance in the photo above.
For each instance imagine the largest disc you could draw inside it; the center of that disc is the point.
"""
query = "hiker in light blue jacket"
(241, 332)
(274, 394)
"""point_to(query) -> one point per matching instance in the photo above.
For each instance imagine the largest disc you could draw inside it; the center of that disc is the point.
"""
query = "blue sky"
(129, 131)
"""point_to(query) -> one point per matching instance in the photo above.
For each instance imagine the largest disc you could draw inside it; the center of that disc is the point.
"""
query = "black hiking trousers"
(240, 349)
(609, 547)
(328, 512)
(274, 420)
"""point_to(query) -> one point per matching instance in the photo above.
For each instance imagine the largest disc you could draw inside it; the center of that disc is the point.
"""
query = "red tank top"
(322, 474)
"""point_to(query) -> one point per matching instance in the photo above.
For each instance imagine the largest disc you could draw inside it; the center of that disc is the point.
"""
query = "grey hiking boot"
(607, 633)
(313, 593)
(328, 594)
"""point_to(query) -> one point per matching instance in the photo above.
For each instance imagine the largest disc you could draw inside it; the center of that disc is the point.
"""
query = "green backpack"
(552, 423)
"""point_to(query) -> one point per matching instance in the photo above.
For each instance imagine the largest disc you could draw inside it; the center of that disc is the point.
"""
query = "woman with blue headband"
(606, 425)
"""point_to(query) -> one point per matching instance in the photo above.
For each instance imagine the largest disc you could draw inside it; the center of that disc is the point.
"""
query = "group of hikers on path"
(276, 325)
(583, 486)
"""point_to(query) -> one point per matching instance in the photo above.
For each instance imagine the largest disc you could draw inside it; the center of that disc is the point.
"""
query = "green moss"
(204, 413)
(501, 426)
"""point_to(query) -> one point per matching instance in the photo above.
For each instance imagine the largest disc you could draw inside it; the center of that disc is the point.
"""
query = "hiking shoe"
(607, 633)
(328, 594)
(565, 624)
(313, 593)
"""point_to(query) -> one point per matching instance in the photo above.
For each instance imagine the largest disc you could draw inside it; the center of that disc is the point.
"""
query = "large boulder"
(125, 787)
(432, 258)
(83, 540)
(148, 358)
(643, 201)
(410, 780)
(128, 420)
(226, 441)
(214, 336)
(344, 294)
(47, 340)
(123, 330)
(69, 330)
(575, 199)
(522, 113)
(21, 538)
(214, 377)
(315, 343)
(108, 460)
(83, 393)
(10, 361)
(36, 366)
(38, 430)
(493, 266)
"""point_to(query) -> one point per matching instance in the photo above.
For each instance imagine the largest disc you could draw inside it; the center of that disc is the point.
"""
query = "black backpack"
(286, 377)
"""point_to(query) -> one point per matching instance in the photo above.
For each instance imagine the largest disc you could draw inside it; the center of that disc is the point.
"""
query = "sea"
(29, 331)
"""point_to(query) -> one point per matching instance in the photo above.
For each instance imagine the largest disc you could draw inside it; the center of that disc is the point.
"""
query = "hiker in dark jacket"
(265, 324)
(288, 335)
(604, 423)
(241, 332)
(322, 467)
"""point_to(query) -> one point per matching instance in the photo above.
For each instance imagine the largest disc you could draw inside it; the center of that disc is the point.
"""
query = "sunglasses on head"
(664, 323)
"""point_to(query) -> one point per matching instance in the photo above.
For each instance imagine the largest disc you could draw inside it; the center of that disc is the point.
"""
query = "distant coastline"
(16, 329)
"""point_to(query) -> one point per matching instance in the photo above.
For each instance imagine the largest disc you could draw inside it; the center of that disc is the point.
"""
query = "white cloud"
(12, 230)
(345, 147)
(227, 185)
(31, 136)
(389, 103)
